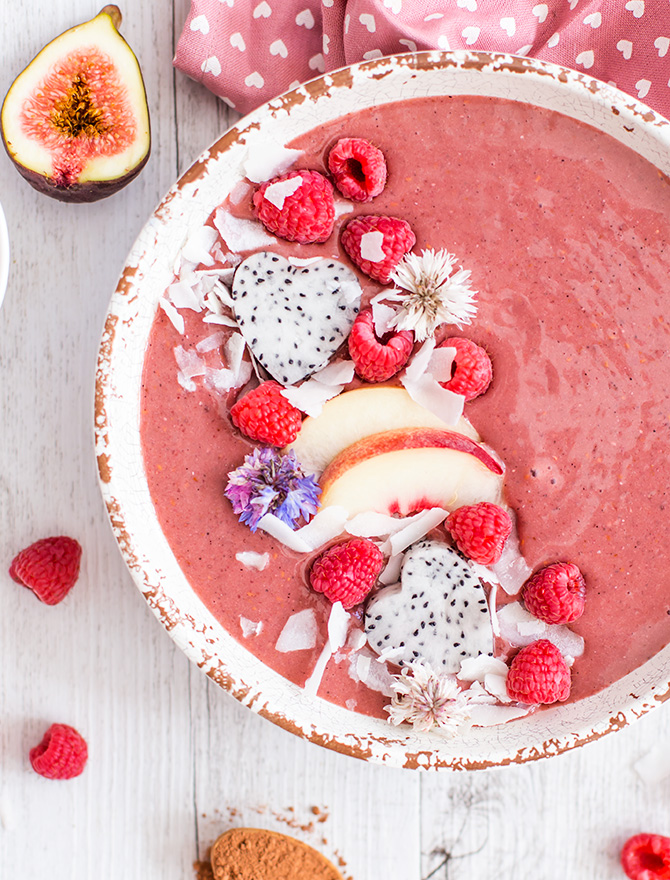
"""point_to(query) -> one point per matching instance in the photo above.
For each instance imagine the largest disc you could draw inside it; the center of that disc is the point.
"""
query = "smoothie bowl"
(393, 450)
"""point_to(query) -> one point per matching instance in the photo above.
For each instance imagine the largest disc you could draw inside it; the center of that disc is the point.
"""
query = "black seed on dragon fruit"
(437, 614)
(294, 318)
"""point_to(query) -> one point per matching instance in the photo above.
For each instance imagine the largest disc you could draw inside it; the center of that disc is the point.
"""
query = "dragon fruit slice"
(294, 318)
(438, 613)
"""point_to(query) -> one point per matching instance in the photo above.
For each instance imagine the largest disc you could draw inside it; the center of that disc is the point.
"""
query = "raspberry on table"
(376, 360)
(264, 414)
(376, 244)
(646, 857)
(49, 567)
(539, 674)
(471, 370)
(298, 206)
(61, 754)
(480, 531)
(556, 593)
(358, 169)
(347, 572)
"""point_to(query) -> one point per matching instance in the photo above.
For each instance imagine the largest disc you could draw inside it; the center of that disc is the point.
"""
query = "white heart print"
(595, 19)
(626, 48)
(237, 41)
(263, 10)
(317, 62)
(211, 65)
(305, 19)
(200, 23)
(325, 43)
(230, 4)
(508, 25)
(254, 80)
(328, 3)
(642, 86)
(410, 45)
(553, 40)
(278, 48)
(394, 5)
(662, 44)
(471, 34)
(443, 42)
(541, 11)
(586, 59)
(368, 21)
(636, 7)
(372, 54)
(470, 5)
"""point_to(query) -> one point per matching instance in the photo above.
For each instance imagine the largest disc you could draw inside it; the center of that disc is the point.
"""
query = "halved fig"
(75, 122)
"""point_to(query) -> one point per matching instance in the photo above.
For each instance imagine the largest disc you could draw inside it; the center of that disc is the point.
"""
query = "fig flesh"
(75, 122)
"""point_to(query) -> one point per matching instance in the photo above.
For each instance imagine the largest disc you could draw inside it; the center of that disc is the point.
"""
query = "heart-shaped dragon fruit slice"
(294, 318)
(437, 614)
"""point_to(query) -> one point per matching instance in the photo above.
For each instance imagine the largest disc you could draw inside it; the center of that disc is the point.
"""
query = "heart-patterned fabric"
(294, 318)
(248, 51)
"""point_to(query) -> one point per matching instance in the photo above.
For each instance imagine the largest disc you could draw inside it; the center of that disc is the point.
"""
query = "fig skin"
(101, 32)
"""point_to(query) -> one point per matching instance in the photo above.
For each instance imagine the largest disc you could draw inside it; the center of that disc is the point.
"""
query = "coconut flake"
(496, 685)
(531, 627)
(419, 363)
(357, 639)
(310, 396)
(250, 627)
(299, 632)
(420, 525)
(391, 572)
(370, 523)
(278, 530)
(239, 192)
(210, 343)
(336, 373)
(477, 668)
(175, 318)
(198, 246)
(338, 624)
(183, 296)
(442, 402)
(382, 315)
(240, 234)
(222, 380)
(371, 246)
(252, 560)
(303, 261)
(234, 351)
(512, 570)
(269, 161)
(323, 527)
(441, 362)
(277, 193)
(223, 320)
(520, 628)
(189, 363)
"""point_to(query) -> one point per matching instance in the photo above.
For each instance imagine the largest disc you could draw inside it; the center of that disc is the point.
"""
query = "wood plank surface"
(174, 761)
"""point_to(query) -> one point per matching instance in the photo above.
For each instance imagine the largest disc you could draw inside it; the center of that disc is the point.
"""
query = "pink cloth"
(248, 51)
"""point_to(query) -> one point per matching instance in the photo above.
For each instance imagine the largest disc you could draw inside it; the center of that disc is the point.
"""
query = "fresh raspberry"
(299, 208)
(646, 857)
(358, 168)
(480, 531)
(62, 753)
(377, 359)
(365, 235)
(347, 572)
(264, 414)
(556, 593)
(471, 371)
(48, 567)
(538, 674)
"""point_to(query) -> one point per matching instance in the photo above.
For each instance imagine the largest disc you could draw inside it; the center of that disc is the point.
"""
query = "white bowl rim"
(149, 558)
(4, 255)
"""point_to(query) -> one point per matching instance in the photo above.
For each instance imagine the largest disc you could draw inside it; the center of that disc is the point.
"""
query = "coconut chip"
(270, 161)
(310, 396)
(190, 365)
(175, 318)
(419, 526)
(252, 560)
(210, 343)
(382, 316)
(477, 668)
(250, 627)
(198, 246)
(520, 628)
(240, 234)
(299, 633)
(338, 624)
(425, 389)
(371, 246)
(283, 533)
(323, 527)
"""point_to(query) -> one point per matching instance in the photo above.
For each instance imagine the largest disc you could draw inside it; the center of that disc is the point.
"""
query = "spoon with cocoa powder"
(256, 854)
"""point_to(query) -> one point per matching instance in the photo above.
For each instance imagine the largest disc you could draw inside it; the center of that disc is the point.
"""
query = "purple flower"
(269, 482)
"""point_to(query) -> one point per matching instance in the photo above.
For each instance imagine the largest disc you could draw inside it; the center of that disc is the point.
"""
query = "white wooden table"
(174, 761)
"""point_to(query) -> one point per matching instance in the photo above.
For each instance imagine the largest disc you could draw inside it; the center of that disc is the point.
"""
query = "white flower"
(424, 699)
(431, 294)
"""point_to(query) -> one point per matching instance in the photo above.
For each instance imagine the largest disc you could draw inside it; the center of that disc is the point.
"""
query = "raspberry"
(377, 359)
(646, 857)
(265, 414)
(480, 531)
(347, 572)
(358, 168)
(556, 593)
(297, 211)
(539, 674)
(48, 567)
(392, 236)
(62, 753)
(471, 371)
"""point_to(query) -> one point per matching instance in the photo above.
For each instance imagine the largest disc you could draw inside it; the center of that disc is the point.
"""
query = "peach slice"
(411, 469)
(355, 414)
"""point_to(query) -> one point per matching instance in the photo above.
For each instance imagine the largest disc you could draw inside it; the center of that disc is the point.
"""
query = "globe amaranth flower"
(269, 482)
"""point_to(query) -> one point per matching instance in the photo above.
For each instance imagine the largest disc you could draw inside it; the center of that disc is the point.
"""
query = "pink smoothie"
(567, 235)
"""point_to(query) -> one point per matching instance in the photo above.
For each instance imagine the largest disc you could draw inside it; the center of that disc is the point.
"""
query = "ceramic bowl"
(148, 271)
